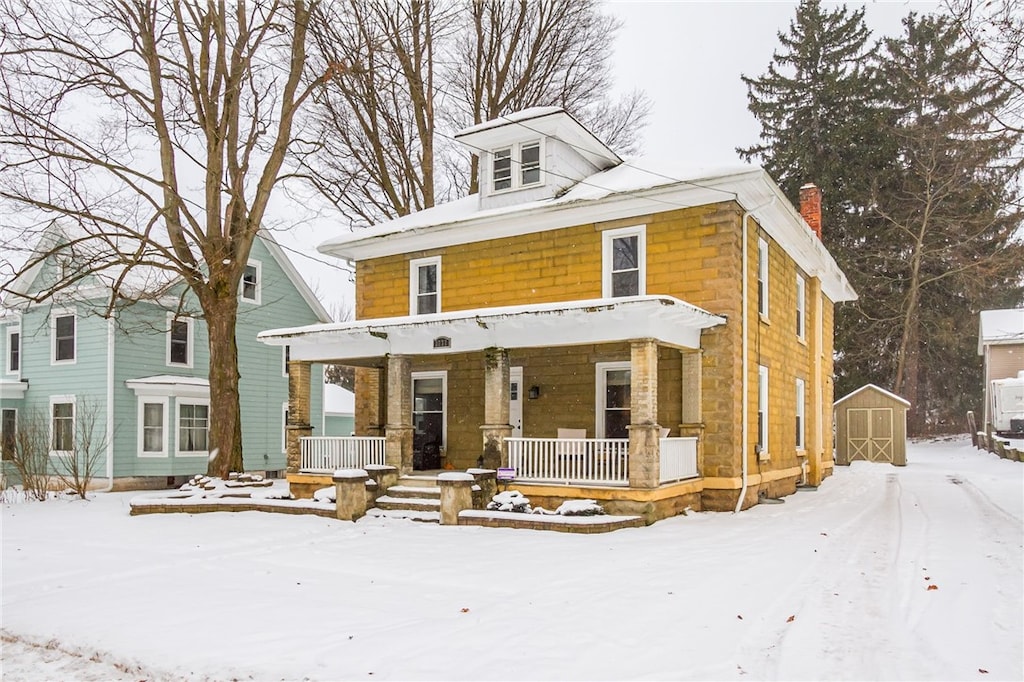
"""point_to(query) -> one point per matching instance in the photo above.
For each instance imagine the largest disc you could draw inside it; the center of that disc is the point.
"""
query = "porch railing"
(328, 453)
(678, 459)
(570, 461)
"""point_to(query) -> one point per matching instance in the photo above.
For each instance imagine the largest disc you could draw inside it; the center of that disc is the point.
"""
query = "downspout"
(110, 405)
(746, 355)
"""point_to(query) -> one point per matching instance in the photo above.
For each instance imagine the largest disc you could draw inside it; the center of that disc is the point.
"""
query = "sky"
(882, 573)
(688, 57)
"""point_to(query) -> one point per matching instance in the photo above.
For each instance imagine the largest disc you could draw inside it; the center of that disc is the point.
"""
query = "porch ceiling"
(667, 320)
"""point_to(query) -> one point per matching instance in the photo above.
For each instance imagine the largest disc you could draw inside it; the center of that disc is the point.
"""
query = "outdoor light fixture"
(534, 392)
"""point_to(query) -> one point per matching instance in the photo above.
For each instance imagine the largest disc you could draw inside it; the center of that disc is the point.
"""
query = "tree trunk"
(225, 407)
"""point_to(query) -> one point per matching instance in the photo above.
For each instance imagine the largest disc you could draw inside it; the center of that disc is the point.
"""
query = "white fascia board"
(170, 385)
(662, 318)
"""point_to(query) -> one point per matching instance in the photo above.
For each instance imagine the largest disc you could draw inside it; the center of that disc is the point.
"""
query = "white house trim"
(601, 370)
(169, 385)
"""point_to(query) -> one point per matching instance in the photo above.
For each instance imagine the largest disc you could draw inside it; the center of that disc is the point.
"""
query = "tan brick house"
(651, 339)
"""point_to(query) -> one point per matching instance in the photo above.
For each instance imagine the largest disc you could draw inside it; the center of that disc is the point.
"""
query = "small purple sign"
(506, 473)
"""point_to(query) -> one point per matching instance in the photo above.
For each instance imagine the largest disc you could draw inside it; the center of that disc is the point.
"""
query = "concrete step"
(406, 514)
(415, 491)
(408, 503)
(418, 481)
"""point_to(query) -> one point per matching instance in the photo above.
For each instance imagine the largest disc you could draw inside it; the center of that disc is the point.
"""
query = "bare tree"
(76, 467)
(158, 131)
(28, 451)
(343, 375)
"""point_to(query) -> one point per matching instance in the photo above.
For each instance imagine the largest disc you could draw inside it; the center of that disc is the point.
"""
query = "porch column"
(298, 425)
(692, 416)
(815, 444)
(496, 409)
(398, 431)
(644, 448)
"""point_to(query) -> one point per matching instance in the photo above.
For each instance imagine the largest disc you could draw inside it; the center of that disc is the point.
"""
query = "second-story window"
(179, 349)
(63, 328)
(516, 166)
(14, 350)
(425, 286)
(624, 267)
(801, 306)
(250, 287)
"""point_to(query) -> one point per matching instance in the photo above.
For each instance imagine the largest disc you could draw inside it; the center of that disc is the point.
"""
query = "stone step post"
(456, 495)
(350, 493)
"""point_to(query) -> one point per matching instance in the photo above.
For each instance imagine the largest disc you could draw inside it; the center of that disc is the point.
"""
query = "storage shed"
(871, 425)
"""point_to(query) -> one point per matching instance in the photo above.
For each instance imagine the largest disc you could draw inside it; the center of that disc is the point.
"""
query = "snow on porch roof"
(604, 320)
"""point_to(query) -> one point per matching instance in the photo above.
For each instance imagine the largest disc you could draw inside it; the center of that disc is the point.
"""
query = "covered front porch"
(587, 394)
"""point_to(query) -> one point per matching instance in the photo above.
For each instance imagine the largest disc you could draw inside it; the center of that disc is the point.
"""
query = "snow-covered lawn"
(883, 573)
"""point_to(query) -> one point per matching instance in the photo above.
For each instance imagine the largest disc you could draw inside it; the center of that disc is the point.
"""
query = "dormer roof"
(548, 122)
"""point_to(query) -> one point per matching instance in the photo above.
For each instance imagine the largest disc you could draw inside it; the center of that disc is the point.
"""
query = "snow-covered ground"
(882, 573)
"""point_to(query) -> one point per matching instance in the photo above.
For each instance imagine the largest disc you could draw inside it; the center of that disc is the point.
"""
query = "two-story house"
(653, 339)
(139, 376)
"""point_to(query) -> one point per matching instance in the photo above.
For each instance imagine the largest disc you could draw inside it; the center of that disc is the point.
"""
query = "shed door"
(869, 433)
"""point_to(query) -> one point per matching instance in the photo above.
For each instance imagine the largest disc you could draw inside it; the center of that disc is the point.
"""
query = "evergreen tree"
(943, 219)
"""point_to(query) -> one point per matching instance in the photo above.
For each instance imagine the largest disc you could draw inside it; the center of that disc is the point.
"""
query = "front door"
(428, 419)
(515, 401)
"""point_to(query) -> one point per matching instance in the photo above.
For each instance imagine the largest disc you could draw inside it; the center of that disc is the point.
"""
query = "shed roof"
(878, 389)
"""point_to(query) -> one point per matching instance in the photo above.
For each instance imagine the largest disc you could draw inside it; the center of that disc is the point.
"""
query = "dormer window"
(516, 166)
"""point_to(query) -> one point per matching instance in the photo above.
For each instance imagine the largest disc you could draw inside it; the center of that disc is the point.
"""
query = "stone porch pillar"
(692, 415)
(644, 448)
(298, 425)
(398, 431)
(815, 439)
(370, 402)
(496, 408)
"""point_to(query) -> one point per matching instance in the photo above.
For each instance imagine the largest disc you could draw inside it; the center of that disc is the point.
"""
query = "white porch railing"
(328, 453)
(678, 459)
(570, 461)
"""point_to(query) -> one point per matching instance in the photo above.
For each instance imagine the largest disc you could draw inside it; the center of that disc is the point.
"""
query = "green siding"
(140, 350)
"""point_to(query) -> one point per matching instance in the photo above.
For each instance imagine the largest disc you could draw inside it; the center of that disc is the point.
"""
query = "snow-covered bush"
(510, 501)
(580, 508)
(328, 494)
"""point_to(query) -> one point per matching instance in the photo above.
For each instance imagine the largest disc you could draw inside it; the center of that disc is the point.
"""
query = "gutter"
(110, 405)
(746, 354)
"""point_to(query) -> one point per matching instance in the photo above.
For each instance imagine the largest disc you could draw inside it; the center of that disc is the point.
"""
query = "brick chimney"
(810, 206)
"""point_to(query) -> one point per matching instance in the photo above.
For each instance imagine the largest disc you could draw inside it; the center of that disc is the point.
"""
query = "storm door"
(429, 391)
(515, 401)
(613, 399)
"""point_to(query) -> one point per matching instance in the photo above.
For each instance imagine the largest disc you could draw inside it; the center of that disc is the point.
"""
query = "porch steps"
(390, 503)
(415, 491)
(406, 514)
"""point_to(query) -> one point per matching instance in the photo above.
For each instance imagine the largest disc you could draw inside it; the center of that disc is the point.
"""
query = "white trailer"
(1007, 409)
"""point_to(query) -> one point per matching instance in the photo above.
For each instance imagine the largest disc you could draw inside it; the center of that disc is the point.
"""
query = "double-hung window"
(762, 411)
(762, 277)
(153, 430)
(614, 391)
(801, 307)
(800, 414)
(13, 359)
(516, 166)
(193, 428)
(179, 341)
(62, 331)
(249, 289)
(62, 425)
(425, 286)
(624, 256)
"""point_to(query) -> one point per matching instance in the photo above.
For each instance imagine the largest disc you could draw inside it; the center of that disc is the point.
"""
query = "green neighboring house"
(140, 375)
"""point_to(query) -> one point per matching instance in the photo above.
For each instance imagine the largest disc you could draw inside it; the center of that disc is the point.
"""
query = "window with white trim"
(800, 407)
(252, 280)
(8, 432)
(762, 411)
(286, 356)
(62, 425)
(614, 393)
(762, 277)
(801, 307)
(516, 166)
(425, 286)
(284, 428)
(63, 327)
(624, 267)
(193, 427)
(12, 365)
(153, 432)
(180, 335)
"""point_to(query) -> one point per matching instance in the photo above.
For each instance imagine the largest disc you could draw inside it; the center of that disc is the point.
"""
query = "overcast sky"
(687, 56)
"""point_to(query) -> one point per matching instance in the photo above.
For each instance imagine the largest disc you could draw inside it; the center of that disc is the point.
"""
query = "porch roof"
(667, 320)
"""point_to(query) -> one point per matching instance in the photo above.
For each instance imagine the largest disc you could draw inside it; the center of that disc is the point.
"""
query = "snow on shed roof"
(338, 400)
(872, 387)
(1000, 326)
